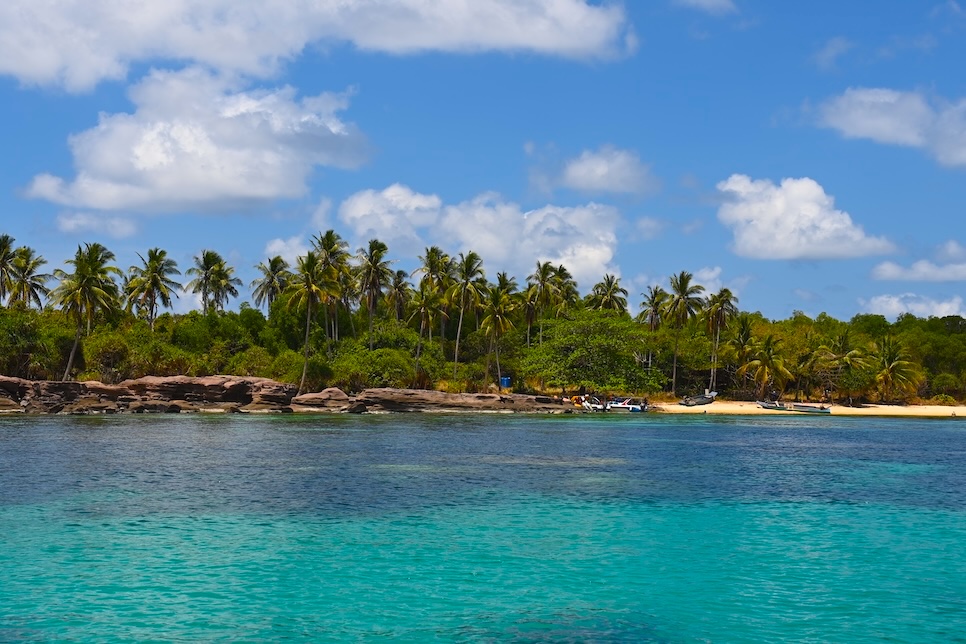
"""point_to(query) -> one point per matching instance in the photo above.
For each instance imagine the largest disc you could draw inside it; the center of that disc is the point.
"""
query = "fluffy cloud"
(82, 222)
(77, 43)
(583, 237)
(715, 7)
(793, 220)
(921, 271)
(951, 251)
(290, 249)
(608, 170)
(826, 57)
(892, 306)
(194, 142)
(900, 118)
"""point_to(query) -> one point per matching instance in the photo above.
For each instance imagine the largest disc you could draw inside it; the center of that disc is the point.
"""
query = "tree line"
(349, 319)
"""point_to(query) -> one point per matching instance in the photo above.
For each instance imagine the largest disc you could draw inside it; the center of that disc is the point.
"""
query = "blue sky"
(808, 156)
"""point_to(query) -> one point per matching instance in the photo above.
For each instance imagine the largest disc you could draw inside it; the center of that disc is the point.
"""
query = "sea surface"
(482, 528)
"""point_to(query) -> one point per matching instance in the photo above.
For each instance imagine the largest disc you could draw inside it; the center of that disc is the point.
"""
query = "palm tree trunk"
(674, 369)
(73, 351)
(305, 354)
(370, 325)
(499, 374)
(459, 330)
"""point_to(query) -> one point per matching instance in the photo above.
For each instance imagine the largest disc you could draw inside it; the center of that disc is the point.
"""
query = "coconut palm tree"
(543, 290)
(895, 372)
(498, 309)
(428, 305)
(274, 280)
(374, 276)
(224, 284)
(652, 309)
(721, 307)
(608, 295)
(310, 285)
(682, 305)
(205, 269)
(399, 293)
(842, 357)
(469, 270)
(7, 254)
(333, 252)
(87, 291)
(767, 365)
(565, 293)
(151, 283)
(27, 284)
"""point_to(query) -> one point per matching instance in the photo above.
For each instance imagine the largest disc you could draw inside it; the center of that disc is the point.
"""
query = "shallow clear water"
(482, 528)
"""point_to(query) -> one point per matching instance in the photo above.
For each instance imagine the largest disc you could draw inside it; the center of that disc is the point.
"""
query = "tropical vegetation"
(334, 318)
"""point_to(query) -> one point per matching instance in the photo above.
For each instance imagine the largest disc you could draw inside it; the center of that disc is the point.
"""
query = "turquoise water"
(482, 528)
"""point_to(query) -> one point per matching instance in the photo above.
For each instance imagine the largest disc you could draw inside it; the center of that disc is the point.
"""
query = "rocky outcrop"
(227, 394)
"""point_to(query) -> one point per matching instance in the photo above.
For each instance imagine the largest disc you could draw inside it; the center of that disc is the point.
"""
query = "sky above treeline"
(810, 156)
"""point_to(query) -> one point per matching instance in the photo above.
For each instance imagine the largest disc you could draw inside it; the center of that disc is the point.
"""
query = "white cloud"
(609, 169)
(649, 227)
(831, 51)
(82, 222)
(921, 271)
(892, 306)
(290, 249)
(193, 141)
(794, 220)
(78, 43)
(709, 278)
(320, 216)
(951, 251)
(715, 7)
(900, 118)
(395, 215)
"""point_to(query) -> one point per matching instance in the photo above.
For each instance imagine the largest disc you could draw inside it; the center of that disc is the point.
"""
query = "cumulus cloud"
(900, 118)
(793, 220)
(951, 251)
(78, 43)
(714, 7)
(83, 222)
(608, 169)
(193, 141)
(583, 238)
(290, 249)
(892, 306)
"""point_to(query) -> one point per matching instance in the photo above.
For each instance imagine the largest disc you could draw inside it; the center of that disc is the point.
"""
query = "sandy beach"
(726, 407)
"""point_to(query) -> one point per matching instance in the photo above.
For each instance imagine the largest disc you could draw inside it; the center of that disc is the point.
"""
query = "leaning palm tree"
(151, 284)
(27, 284)
(721, 307)
(469, 270)
(310, 285)
(7, 254)
(767, 365)
(895, 372)
(87, 291)
(275, 279)
(374, 276)
(497, 312)
(682, 305)
(608, 295)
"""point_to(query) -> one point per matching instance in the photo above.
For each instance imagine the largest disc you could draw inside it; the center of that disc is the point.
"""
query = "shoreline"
(743, 408)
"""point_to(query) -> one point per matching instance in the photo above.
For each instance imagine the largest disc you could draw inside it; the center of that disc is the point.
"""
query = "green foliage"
(355, 368)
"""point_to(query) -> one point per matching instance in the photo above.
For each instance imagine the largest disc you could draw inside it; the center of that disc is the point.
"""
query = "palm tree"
(206, 265)
(88, 290)
(767, 365)
(652, 309)
(374, 276)
(27, 283)
(842, 358)
(7, 254)
(542, 291)
(310, 285)
(469, 269)
(741, 340)
(682, 305)
(333, 252)
(151, 283)
(895, 372)
(275, 279)
(721, 307)
(565, 293)
(498, 308)
(224, 284)
(608, 295)
(399, 292)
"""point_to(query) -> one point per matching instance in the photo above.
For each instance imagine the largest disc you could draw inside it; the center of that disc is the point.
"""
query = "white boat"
(627, 404)
(592, 403)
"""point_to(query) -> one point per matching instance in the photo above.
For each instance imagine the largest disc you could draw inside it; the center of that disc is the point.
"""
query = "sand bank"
(726, 407)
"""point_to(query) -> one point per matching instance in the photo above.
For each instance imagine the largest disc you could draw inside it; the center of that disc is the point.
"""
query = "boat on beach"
(704, 399)
(809, 409)
(627, 404)
(772, 404)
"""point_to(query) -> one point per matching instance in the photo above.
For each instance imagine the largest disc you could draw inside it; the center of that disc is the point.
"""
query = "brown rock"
(421, 400)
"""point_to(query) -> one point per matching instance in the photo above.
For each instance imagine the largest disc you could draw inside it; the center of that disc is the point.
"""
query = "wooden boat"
(772, 404)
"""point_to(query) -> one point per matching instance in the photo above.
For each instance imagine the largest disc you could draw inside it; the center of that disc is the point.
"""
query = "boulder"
(327, 399)
(421, 400)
